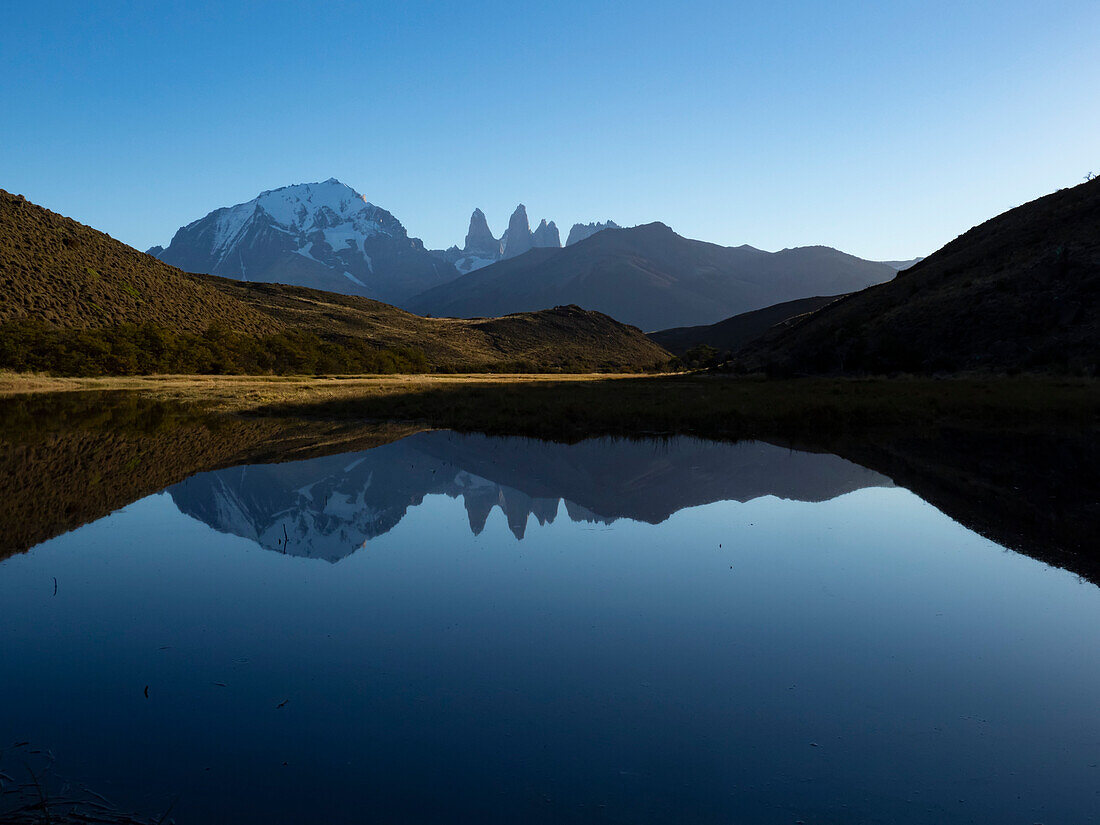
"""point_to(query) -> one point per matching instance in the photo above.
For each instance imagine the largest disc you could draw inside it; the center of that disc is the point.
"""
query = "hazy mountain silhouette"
(652, 278)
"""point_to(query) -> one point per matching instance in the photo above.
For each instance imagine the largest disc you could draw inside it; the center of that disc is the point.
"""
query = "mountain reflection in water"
(328, 507)
(754, 633)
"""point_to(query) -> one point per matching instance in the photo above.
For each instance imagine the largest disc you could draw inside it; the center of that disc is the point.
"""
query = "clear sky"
(881, 128)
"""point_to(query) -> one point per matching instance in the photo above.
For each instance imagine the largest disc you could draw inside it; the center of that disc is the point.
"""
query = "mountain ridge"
(652, 278)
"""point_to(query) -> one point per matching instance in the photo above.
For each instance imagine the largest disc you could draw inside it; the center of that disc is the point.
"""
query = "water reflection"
(688, 631)
(70, 459)
(328, 507)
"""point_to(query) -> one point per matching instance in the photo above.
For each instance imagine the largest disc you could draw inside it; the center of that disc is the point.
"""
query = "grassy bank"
(714, 407)
(243, 393)
(568, 407)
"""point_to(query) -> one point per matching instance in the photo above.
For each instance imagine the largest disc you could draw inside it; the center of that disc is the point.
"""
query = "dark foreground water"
(468, 629)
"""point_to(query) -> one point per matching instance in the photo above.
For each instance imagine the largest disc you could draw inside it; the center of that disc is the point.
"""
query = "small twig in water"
(164, 816)
(41, 795)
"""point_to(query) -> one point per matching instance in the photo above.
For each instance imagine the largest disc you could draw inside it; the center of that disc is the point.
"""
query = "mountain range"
(1018, 292)
(652, 278)
(328, 236)
(482, 248)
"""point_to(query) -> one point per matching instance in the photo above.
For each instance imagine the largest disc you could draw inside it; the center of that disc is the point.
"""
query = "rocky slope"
(321, 235)
(652, 278)
(1020, 291)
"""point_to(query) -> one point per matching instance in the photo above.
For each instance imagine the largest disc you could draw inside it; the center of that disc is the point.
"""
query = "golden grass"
(234, 393)
(556, 404)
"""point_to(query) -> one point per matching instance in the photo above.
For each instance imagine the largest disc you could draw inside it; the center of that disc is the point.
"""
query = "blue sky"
(884, 129)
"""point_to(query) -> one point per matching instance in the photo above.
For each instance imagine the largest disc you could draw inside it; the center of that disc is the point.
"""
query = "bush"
(701, 357)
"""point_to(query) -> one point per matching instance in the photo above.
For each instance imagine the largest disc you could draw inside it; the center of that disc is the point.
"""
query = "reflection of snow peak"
(330, 506)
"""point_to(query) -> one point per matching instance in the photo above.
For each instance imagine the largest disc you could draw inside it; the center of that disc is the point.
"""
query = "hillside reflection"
(70, 459)
(328, 507)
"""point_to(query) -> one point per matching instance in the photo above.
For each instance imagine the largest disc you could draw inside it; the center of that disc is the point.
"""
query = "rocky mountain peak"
(323, 235)
(517, 239)
(479, 239)
(482, 249)
(580, 231)
(546, 235)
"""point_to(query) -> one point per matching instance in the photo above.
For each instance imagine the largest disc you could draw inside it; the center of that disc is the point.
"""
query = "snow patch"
(469, 263)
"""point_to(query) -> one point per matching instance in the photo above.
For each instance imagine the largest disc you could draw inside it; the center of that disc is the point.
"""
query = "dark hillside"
(733, 333)
(1018, 292)
(565, 337)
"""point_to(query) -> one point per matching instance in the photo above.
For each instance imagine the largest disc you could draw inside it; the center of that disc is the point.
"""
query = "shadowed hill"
(652, 278)
(733, 333)
(1020, 291)
(562, 337)
(137, 314)
(70, 275)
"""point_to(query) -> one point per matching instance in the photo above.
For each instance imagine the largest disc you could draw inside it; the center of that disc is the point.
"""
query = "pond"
(461, 628)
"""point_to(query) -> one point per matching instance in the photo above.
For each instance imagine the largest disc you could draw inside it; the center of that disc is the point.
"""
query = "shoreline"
(622, 403)
(241, 392)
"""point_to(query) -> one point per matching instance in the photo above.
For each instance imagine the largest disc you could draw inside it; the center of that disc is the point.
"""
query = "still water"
(457, 628)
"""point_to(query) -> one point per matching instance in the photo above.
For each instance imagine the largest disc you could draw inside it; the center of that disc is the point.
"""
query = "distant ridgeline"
(651, 277)
(75, 301)
(328, 236)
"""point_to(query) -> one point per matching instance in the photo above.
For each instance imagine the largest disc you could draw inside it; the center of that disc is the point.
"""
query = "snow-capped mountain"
(321, 235)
